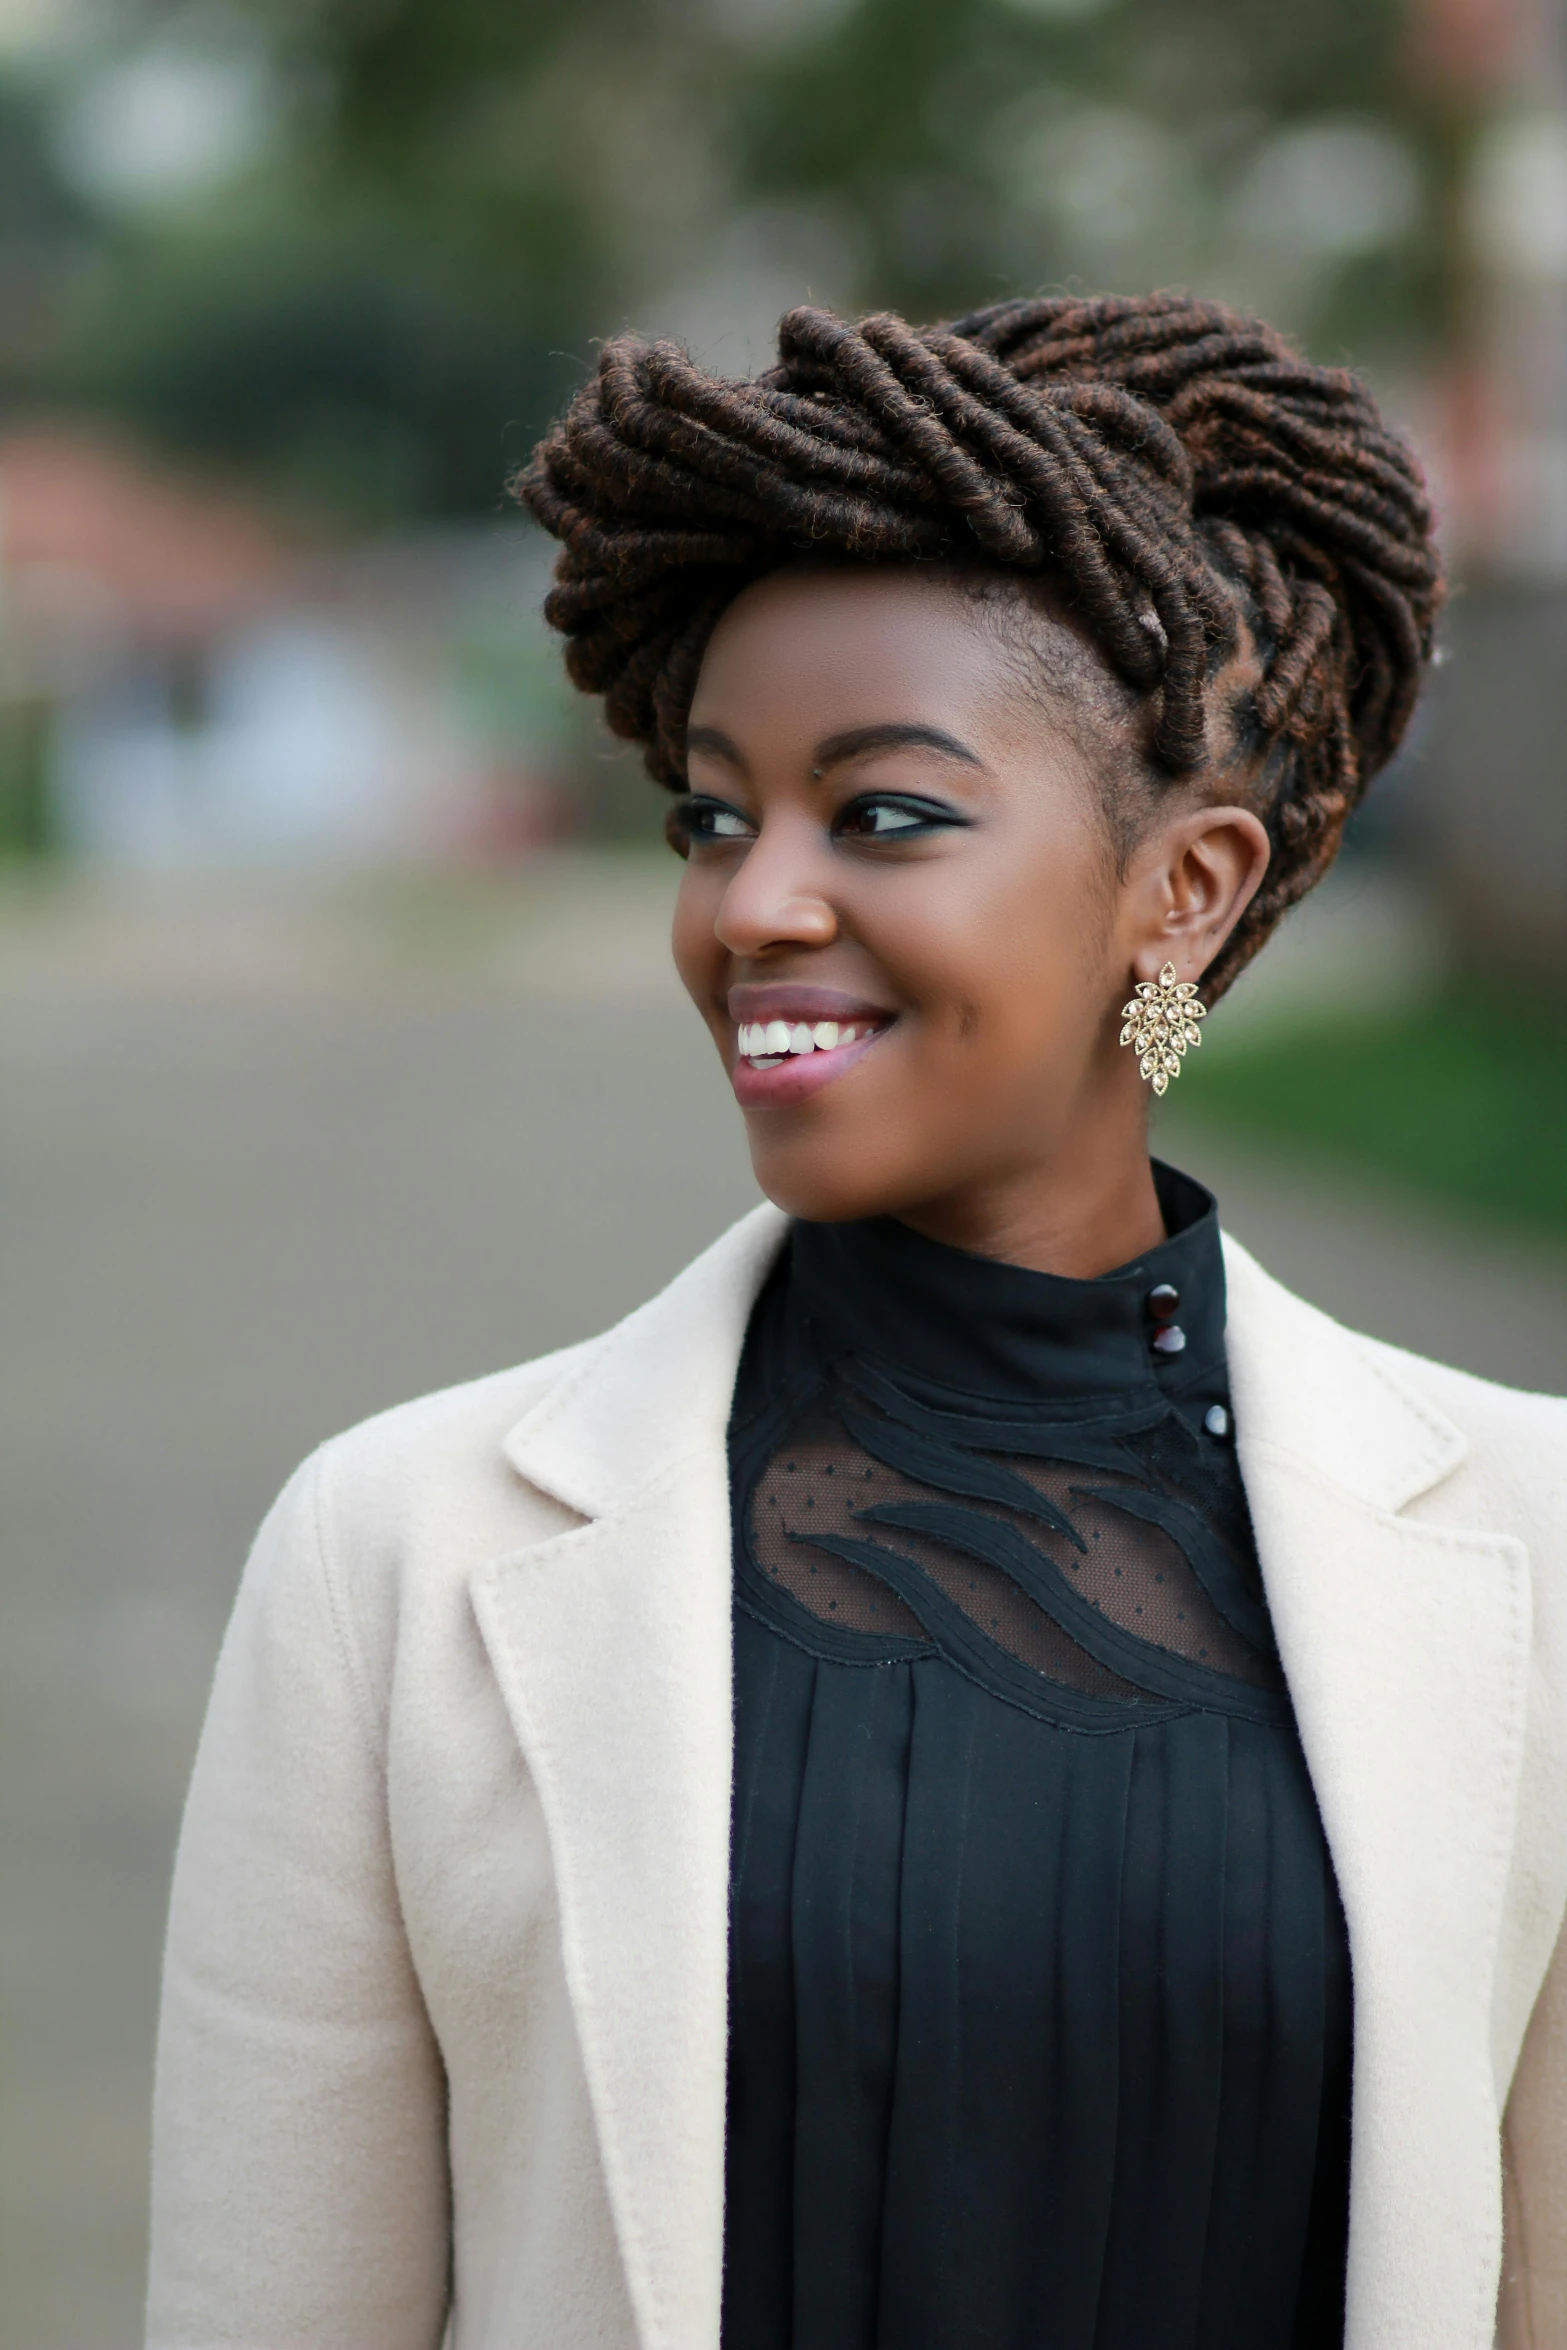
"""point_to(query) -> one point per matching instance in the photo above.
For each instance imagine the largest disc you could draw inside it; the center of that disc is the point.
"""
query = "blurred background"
(312, 875)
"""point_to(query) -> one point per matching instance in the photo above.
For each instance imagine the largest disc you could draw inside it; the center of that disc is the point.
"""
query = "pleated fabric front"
(1040, 2018)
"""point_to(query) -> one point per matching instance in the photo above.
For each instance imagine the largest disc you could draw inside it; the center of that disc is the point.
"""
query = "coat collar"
(1306, 1388)
(657, 1387)
(1405, 1646)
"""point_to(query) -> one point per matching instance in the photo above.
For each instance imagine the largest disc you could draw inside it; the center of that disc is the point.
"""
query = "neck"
(1081, 1214)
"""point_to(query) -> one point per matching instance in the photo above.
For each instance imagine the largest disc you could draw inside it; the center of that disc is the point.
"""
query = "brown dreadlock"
(1180, 470)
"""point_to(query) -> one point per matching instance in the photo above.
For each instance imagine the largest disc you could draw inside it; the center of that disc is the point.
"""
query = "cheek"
(692, 938)
(1006, 953)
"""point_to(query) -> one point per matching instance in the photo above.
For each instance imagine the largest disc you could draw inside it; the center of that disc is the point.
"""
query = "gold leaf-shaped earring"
(1161, 1021)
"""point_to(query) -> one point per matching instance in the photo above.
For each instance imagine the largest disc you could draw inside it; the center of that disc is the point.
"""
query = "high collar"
(630, 1408)
(980, 1328)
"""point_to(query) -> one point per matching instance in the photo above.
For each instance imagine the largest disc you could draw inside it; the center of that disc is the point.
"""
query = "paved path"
(268, 1165)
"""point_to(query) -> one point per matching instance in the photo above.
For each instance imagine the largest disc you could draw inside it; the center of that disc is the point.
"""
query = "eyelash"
(692, 822)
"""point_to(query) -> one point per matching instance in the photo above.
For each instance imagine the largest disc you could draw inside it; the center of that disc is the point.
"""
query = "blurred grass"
(1463, 1099)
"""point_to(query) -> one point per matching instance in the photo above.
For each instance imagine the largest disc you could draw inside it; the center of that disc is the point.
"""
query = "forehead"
(810, 650)
(837, 632)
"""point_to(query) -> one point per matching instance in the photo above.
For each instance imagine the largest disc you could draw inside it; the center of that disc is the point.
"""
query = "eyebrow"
(717, 745)
(857, 742)
(860, 741)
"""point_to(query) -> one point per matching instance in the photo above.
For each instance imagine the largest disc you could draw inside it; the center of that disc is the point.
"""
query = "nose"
(778, 894)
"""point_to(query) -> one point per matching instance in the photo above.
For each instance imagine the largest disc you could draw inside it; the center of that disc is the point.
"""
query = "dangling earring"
(1161, 1021)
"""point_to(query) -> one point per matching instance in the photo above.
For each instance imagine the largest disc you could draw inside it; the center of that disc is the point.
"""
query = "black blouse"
(1040, 2016)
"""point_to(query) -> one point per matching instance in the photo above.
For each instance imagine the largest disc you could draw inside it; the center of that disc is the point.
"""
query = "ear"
(1190, 883)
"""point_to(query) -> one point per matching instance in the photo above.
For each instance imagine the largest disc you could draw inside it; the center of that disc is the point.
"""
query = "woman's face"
(901, 915)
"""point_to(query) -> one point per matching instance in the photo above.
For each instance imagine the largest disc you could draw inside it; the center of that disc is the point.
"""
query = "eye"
(698, 820)
(894, 815)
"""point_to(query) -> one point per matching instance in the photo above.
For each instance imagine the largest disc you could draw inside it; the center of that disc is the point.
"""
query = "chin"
(835, 1177)
(823, 1187)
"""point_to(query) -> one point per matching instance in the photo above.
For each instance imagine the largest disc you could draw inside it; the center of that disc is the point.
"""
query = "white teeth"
(771, 1041)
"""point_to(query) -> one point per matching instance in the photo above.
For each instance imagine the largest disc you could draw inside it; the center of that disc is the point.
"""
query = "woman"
(975, 1773)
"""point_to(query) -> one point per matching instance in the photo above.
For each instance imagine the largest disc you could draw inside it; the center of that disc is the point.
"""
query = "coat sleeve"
(300, 2192)
(1532, 2311)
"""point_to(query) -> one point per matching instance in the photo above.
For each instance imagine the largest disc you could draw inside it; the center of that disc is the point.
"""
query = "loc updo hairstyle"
(1181, 475)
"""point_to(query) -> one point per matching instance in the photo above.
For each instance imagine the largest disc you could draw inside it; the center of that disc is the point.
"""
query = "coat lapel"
(611, 1643)
(1406, 1649)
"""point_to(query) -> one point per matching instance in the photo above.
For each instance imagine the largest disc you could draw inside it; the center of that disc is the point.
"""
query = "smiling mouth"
(766, 1044)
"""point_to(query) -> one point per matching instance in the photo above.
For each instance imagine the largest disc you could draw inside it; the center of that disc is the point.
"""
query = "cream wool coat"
(443, 2038)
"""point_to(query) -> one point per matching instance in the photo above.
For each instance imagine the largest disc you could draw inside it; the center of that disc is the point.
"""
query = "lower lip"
(797, 1077)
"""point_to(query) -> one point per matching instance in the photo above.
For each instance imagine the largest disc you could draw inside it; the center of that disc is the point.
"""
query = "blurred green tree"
(385, 308)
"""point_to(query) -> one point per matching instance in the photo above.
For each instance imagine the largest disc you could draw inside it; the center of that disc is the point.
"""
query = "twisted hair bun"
(1180, 469)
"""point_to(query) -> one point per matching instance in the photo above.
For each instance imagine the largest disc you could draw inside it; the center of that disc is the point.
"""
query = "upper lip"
(793, 1000)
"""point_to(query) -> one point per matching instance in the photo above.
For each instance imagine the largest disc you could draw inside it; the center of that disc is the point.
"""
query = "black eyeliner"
(931, 815)
(682, 826)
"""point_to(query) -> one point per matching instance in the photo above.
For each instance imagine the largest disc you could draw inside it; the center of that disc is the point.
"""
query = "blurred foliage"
(26, 829)
(985, 149)
(347, 370)
(1463, 1099)
(382, 308)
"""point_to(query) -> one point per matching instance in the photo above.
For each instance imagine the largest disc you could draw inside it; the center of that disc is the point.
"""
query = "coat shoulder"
(423, 1492)
(1484, 1408)
(371, 1543)
(437, 1435)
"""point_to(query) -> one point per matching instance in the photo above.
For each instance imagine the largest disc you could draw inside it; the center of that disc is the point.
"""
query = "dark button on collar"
(1216, 1420)
(1168, 1339)
(976, 1327)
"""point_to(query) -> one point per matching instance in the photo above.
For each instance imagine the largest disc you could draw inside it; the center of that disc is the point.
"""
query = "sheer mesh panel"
(820, 1482)
(1136, 1574)
(990, 1598)
(812, 1483)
